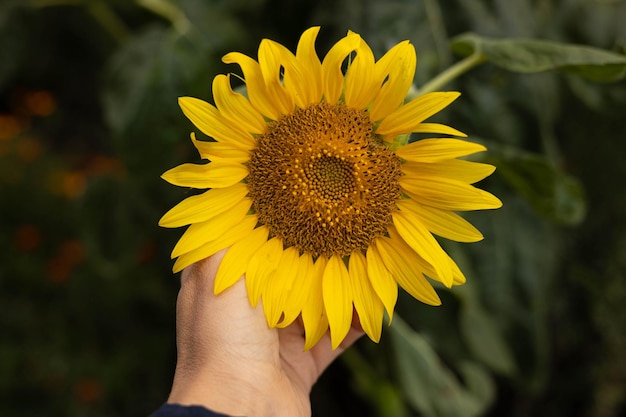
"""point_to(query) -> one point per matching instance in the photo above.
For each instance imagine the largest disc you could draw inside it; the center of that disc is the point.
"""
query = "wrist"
(235, 396)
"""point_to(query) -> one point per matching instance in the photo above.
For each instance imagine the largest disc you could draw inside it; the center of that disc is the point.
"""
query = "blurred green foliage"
(89, 120)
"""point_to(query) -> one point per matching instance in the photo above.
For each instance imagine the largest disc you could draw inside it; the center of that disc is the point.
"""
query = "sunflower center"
(321, 182)
(330, 178)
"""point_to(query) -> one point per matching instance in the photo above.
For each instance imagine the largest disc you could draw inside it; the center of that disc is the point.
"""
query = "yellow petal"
(366, 302)
(240, 230)
(312, 337)
(219, 150)
(296, 77)
(255, 85)
(217, 174)
(424, 266)
(332, 76)
(210, 122)
(459, 278)
(455, 169)
(337, 299)
(235, 262)
(308, 59)
(448, 194)
(313, 315)
(271, 58)
(261, 267)
(406, 271)
(382, 282)
(442, 222)
(302, 285)
(438, 128)
(198, 234)
(362, 82)
(417, 236)
(202, 207)
(407, 118)
(279, 285)
(435, 150)
(235, 107)
(398, 64)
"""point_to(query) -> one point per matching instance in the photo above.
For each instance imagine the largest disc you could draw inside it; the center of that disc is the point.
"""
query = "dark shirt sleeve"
(176, 410)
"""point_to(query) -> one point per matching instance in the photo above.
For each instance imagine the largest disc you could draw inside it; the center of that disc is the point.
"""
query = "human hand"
(231, 362)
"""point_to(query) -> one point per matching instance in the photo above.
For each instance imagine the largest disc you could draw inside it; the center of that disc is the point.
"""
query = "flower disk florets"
(321, 182)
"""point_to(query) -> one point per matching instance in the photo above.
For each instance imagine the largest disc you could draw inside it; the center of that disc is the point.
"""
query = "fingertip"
(325, 355)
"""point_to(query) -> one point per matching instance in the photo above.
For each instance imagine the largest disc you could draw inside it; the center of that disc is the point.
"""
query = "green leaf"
(417, 368)
(131, 75)
(429, 386)
(484, 340)
(550, 191)
(532, 55)
(374, 387)
(478, 381)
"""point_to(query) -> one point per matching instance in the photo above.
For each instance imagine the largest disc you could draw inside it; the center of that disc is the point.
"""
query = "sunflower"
(324, 206)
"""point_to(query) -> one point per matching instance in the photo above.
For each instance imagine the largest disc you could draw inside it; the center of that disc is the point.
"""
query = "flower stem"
(109, 20)
(451, 73)
(168, 11)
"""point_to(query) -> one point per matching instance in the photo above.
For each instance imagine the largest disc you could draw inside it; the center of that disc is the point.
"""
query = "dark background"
(89, 120)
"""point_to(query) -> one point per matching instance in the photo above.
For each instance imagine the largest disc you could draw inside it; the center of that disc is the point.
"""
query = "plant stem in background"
(168, 11)
(438, 29)
(451, 73)
(109, 20)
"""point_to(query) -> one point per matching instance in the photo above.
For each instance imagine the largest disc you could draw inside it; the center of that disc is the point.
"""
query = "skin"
(231, 362)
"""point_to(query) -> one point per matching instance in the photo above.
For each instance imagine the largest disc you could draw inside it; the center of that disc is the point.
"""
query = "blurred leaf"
(480, 331)
(531, 55)
(485, 340)
(550, 191)
(375, 388)
(514, 275)
(429, 386)
(417, 367)
(131, 71)
(478, 381)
